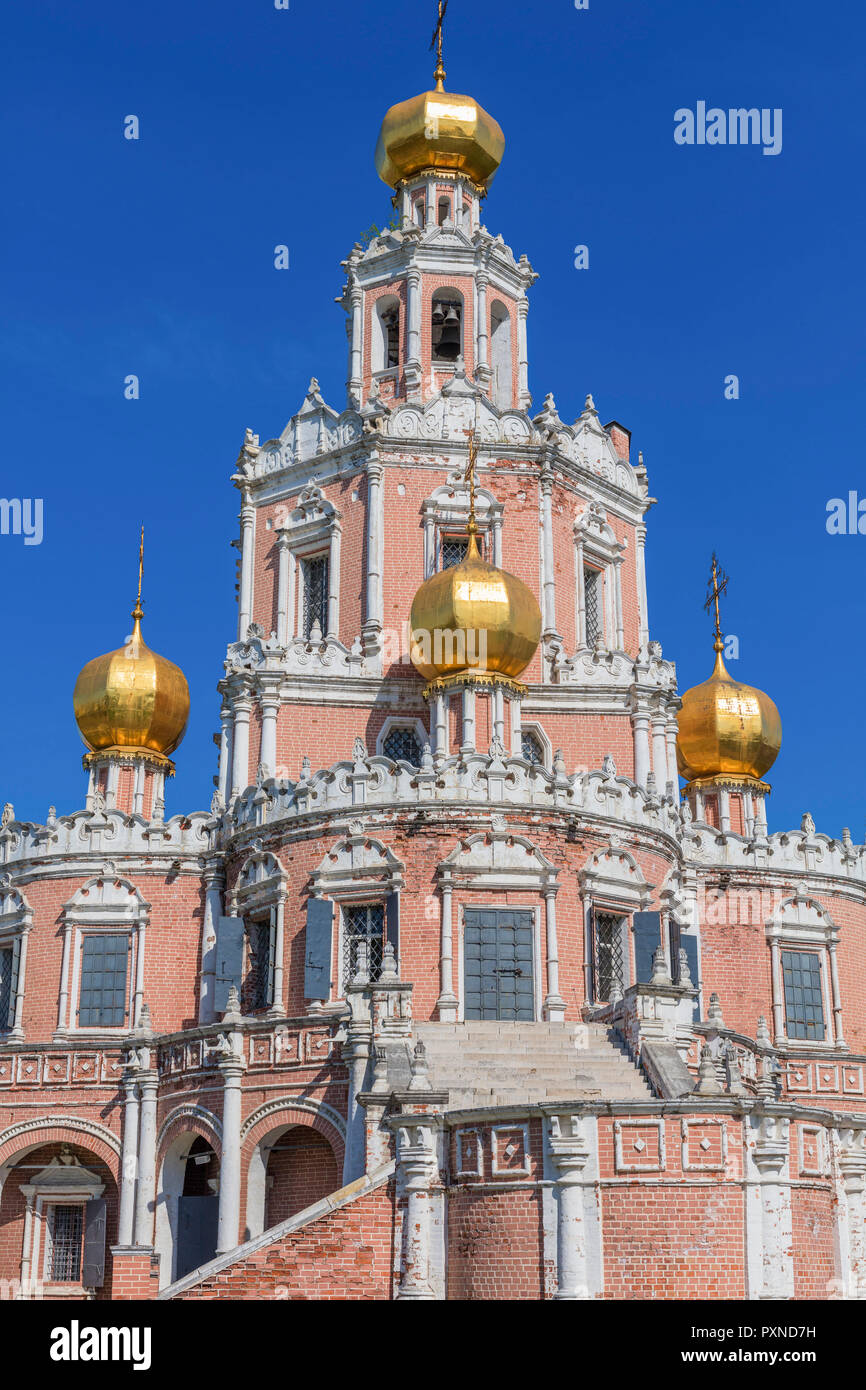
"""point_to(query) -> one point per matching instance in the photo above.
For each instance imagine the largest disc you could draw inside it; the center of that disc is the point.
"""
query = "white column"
(724, 809)
(579, 598)
(660, 751)
(213, 878)
(413, 315)
(516, 729)
(17, 1030)
(761, 814)
(334, 582)
(643, 629)
(429, 546)
(144, 1194)
(499, 714)
(241, 746)
(440, 725)
(63, 1001)
(138, 790)
(230, 1163)
(769, 1235)
(447, 1003)
(640, 723)
(524, 399)
(430, 203)
(138, 997)
(283, 588)
(111, 782)
(277, 1005)
(270, 702)
(29, 1193)
(836, 994)
(851, 1213)
(224, 777)
(778, 990)
(617, 607)
(497, 541)
(373, 621)
(128, 1162)
(468, 743)
(417, 1166)
(554, 1004)
(357, 339)
(569, 1154)
(549, 590)
(671, 737)
(245, 601)
(482, 357)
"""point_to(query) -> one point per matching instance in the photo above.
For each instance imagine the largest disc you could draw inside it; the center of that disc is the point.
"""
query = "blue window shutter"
(229, 960)
(646, 927)
(689, 944)
(272, 958)
(318, 948)
(93, 1263)
(392, 923)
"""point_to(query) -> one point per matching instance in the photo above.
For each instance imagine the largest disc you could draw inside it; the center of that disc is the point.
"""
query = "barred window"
(7, 956)
(531, 748)
(402, 744)
(65, 1233)
(102, 1001)
(363, 923)
(257, 985)
(453, 551)
(592, 604)
(610, 973)
(804, 1007)
(316, 581)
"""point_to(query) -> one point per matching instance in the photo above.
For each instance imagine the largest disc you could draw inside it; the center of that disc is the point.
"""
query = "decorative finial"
(717, 585)
(138, 611)
(436, 42)
(472, 526)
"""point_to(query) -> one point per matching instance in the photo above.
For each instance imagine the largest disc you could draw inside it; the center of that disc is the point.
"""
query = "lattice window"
(453, 551)
(316, 581)
(7, 957)
(592, 604)
(610, 975)
(391, 327)
(532, 748)
(363, 923)
(402, 744)
(804, 1006)
(102, 1001)
(257, 985)
(65, 1231)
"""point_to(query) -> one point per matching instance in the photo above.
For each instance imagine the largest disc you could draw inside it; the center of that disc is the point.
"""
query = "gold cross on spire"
(138, 612)
(716, 586)
(436, 42)
(469, 477)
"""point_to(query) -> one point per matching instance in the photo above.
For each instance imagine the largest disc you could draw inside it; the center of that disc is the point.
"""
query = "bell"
(449, 339)
(438, 313)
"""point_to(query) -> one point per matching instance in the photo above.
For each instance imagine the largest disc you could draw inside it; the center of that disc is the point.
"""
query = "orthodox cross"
(469, 478)
(138, 611)
(436, 42)
(716, 586)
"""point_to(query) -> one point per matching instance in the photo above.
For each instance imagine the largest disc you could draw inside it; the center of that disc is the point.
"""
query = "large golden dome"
(439, 131)
(132, 700)
(454, 607)
(727, 728)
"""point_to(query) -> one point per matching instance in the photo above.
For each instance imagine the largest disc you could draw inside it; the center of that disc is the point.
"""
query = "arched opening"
(500, 353)
(418, 211)
(58, 1221)
(385, 347)
(447, 325)
(443, 210)
(301, 1169)
(187, 1207)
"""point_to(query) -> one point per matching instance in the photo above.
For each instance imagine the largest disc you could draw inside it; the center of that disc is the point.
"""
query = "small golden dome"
(132, 700)
(452, 609)
(727, 728)
(439, 130)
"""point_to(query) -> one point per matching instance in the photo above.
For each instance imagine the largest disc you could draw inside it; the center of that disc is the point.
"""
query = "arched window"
(443, 210)
(402, 745)
(532, 748)
(418, 211)
(500, 353)
(385, 347)
(447, 326)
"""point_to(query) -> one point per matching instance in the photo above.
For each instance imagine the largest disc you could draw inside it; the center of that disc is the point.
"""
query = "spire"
(436, 42)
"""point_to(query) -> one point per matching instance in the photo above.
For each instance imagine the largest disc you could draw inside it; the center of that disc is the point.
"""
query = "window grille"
(102, 1001)
(609, 957)
(363, 923)
(316, 581)
(532, 749)
(804, 1007)
(402, 744)
(6, 960)
(391, 327)
(257, 984)
(65, 1232)
(592, 604)
(453, 551)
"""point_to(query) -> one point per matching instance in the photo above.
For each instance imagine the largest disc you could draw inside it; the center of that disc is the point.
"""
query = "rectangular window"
(7, 957)
(316, 582)
(453, 551)
(102, 1001)
(364, 923)
(65, 1232)
(609, 956)
(257, 985)
(592, 604)
(804, 1007)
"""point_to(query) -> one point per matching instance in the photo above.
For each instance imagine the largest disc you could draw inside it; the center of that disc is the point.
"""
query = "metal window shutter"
(93, 1264)
(646, 927)
(392, 924)
(689, 944)
(229, 959)
(318, 948)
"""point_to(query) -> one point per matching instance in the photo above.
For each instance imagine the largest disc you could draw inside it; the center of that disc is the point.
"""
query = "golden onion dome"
(461, 610)
(132, 700)
(439, 131)
(727, 728)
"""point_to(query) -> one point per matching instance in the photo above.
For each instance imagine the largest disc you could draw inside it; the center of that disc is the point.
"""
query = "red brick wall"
(301, 1170)
(673, 1242)
(495, 1244)
(813, 1233)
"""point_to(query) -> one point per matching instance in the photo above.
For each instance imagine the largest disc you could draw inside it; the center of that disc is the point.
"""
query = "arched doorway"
(188, 1207)
(301, 1169)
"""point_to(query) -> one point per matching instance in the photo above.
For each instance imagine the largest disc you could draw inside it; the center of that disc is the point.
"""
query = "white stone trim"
(402, 721)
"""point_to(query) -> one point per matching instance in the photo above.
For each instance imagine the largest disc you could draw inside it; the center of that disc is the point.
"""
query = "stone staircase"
(496, 1063)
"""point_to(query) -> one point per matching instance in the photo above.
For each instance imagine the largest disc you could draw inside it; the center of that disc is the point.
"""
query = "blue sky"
(258, 126)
